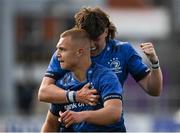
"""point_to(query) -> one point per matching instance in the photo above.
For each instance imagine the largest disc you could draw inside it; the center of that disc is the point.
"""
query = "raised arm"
(153, 82)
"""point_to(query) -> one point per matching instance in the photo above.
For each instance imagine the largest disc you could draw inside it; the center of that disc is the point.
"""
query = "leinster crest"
(115, 65)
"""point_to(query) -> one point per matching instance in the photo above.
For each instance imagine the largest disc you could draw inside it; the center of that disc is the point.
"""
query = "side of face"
(99, 44)
(66, 53)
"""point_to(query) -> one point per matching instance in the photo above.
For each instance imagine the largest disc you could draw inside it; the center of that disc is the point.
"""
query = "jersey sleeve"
(55, 108)
(136, 67)
(54, 69)
(110, 87)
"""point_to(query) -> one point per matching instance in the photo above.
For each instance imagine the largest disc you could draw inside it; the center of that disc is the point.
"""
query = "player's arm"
(49, 92)
(51, 123)
(109, 114)
(152, 83)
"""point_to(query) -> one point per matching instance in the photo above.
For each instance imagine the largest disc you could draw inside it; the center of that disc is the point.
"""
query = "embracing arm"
(109, 114)
(49, 92)
(51, 123)
(153, 82)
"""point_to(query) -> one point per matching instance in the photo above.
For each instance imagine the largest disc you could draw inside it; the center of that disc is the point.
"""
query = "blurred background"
(30, 29)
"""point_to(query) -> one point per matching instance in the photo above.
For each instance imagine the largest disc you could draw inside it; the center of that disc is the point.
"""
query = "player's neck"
(80, 71)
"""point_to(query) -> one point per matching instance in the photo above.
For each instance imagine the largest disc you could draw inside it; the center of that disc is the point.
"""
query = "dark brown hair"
(94, 21)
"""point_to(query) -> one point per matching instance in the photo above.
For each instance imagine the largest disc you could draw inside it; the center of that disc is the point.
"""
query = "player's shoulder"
(118, 42)
(99, 67)
(119, 45)
(100, 70)
(101, 75)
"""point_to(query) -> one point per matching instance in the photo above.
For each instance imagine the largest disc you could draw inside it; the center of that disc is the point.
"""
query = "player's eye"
(61, 49)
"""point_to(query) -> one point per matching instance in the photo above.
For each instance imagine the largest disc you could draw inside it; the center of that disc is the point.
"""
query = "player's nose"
(58, 54)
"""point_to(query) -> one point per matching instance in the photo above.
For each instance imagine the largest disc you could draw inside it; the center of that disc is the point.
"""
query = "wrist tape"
(71, 96)
(155, 65)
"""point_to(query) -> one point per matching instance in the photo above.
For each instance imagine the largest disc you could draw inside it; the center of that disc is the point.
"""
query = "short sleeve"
(136, 67)
(110, 87)
(55, 108)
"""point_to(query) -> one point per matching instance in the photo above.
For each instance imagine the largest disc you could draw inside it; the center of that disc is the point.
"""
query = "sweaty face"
(66, 53)
(99, 44)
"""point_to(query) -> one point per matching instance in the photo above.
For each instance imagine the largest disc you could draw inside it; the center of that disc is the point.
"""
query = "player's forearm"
(101, 117)
(52, 94)
(49, 92)
(105, 116)
(152, 83)
(155, 82)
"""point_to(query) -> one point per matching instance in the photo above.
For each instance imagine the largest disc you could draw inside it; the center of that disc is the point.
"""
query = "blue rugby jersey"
(118, 56)
(108, 87)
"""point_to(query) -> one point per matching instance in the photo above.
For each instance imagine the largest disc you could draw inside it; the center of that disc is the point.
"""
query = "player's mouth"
(93, 48)
(61, 61)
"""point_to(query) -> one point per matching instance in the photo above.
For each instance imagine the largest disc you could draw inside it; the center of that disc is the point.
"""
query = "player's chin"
(63, 66)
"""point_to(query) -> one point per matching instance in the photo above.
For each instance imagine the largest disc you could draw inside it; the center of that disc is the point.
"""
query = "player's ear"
(79, 52)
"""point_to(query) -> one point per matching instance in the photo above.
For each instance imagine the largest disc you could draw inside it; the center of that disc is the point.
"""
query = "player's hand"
(87, 95)
(69, 117)
(149, 51)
